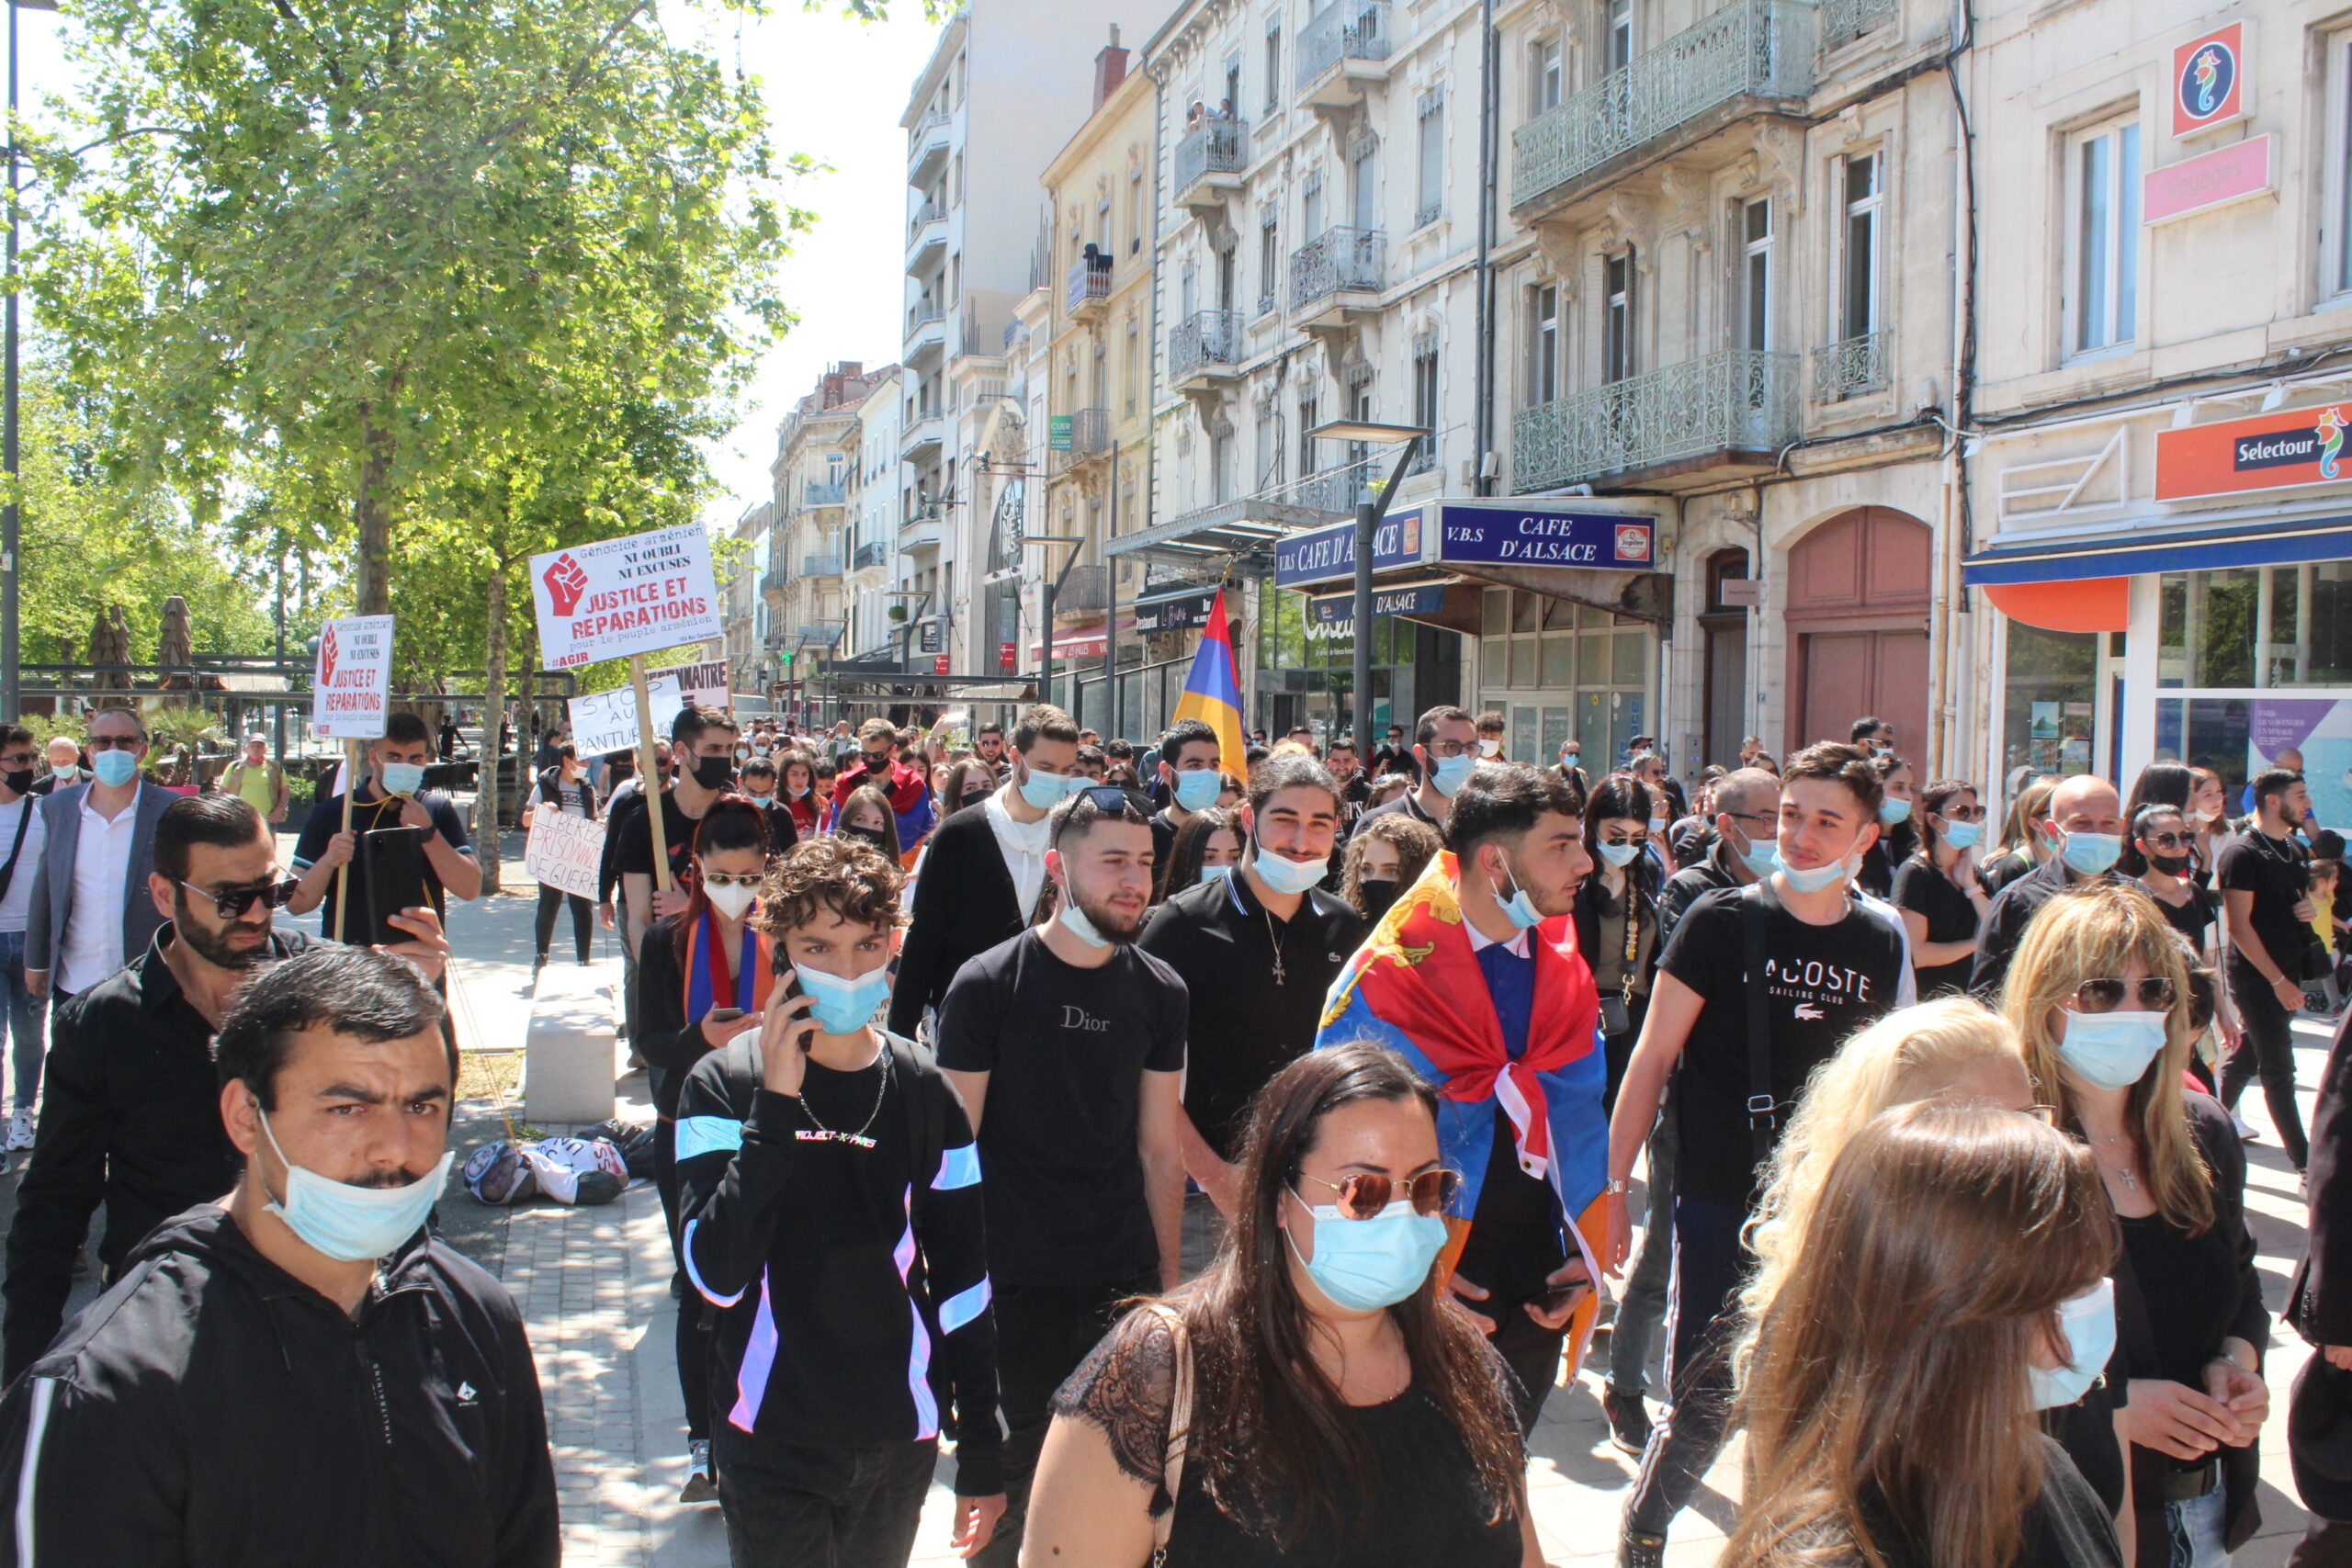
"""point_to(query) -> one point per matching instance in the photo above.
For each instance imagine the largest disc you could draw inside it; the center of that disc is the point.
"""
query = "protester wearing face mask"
(1338, 1411)
(969, 783)
(983, 871)
(867, 816)
(1835, 963)
(906, 787)
(301, 1372)
(2208, 803)
(1572, 766)
(565, 788)
(1898, 836)
(1257, 951)
(797, 790)
(1936, 888)
(1206, 848)
(1444, 754)
(65, 768)
(817, 1148)
(1383, 861)
(1474, 978)
(703, 977)
(2084, 835)
(89, 915)
(27, 1016)
(1190, 774)
(394, 794)
(1874, 735)
(2265, 880)
(702, 742)
(1492, 728)
(2099, 993)
(1616, 915)
(1066, 1045)
(1917, 1238)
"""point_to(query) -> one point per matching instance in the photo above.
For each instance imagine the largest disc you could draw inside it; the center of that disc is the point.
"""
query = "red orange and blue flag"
(1212, 689)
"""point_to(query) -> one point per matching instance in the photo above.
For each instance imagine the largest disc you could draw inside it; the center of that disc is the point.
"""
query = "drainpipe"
(1490, 119)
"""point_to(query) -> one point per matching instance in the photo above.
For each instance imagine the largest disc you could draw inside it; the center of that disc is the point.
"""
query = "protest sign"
(606, 721)
(706, 685)
(351, 688)
(619, 597)
(564, 850)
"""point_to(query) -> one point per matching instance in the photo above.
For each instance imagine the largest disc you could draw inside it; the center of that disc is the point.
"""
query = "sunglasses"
(1115, 798)
(1963, 814)
(2154, 993)
(2166, 841)
(112, 743)
(237, 900)
(1366, 1193)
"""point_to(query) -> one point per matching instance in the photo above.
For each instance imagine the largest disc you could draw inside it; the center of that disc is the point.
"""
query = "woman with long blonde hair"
(1950, 1278)
(2100, 996)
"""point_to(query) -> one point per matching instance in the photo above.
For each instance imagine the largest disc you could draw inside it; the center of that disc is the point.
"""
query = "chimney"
(1109, 68)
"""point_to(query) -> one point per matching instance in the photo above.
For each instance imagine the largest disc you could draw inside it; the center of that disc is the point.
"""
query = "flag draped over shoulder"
(1212, 689)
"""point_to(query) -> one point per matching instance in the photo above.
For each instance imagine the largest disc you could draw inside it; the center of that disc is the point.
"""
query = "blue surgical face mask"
(1890, 811)
(1042, 790)
(839, 1004)
(350, 1224)
(403, 778)
(1761, 859)
(1215, 873)
(1618, 854)
(114, 769)
(1198, 790)
(1450, 773)
(2111, 1050)
(2090, 853)
(1079, 926)
(1963, 835)
(1818, 877)
(2089, 1323)
(1286, 876)
(1364, 1265)
(1519, 908)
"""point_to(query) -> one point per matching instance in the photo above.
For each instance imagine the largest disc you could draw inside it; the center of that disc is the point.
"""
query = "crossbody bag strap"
(1179, 1430)
(1762, 1111)
(24, 823)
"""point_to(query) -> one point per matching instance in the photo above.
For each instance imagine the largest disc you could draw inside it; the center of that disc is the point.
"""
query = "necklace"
(2131, 1180)
(1275, 938)
(824, 1134)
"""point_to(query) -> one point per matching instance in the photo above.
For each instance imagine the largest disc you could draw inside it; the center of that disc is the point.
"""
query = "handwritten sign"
(706, 685)
(618, 597)
(564, 850)
(351, 688)
(606, 721)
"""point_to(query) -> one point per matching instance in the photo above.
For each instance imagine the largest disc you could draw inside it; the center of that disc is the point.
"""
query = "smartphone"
(1560, 1296)
(392, 863)
(791, 978)
(724, 1015)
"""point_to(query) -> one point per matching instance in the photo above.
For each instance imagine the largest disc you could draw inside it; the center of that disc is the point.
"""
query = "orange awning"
(2084, 604)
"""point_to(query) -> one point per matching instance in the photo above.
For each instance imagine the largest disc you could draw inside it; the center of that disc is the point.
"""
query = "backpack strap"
(1762, 1111)
(1180, 1428)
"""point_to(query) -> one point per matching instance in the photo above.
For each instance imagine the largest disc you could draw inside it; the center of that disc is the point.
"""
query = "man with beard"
(132, 1114)
(907, 787)
(1067, 1044)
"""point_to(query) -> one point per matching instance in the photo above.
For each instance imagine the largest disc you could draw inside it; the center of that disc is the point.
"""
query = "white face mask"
(730, 901)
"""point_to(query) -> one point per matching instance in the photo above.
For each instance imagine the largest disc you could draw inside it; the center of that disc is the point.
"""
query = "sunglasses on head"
(1115, 797)
(2154, 993)
(237, 900)
(1367, 1192)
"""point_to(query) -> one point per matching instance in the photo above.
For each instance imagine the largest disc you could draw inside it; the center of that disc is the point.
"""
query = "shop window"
(2257, 626)
(2052, 681)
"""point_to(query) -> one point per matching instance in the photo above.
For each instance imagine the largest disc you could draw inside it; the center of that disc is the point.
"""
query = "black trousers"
(1042, 1334)
(790, 1505)
(1701, 1297)
(2267, 1048)
(583, 920)
(694, 1337)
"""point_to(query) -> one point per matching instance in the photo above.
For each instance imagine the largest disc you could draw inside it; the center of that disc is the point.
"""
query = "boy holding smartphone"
(832, 1203)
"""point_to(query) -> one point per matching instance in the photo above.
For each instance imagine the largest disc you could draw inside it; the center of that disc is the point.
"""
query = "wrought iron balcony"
(1851, 367)
(772, 585)
(1089, 436)
(1086, 590)
(1752, 49)
(820, 566)
(1843, 21)
(868, 556)
(822, 495)
(1205, 347)
(1337, 262)
(1738, 401)
(1347, 33)
(1209, 162)
(1087, 286)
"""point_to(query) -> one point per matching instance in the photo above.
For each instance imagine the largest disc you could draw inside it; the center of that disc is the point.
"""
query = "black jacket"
(2319, 1304)
(965, 904)
(131, 1117)
(2006, 922)
(549, 791)
(1687, 886)
(212, 1411)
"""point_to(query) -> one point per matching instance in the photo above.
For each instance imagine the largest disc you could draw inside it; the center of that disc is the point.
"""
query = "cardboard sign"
(606, 721)
(564, 850)
(2269, 451)
(618, 597)
(351, 688)
(706, 685)
(2209, 80)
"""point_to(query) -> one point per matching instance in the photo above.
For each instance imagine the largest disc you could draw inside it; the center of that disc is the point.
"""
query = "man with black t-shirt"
(1340, 759)
(1395, 757)
(1830, 965)
(702, 739)
(2085, 827)
(2264, 876)
(1189, 772)
(1067, 1045)
(392, 795)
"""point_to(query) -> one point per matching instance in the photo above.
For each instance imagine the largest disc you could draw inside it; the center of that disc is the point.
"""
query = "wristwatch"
(1619, 1186)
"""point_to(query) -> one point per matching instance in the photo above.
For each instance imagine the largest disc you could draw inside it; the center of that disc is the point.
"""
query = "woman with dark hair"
(1898, 834)
(1314, 1396)
(1208, 844)
(1616, 913)
(867, 813)
(1955, 1262)
(795, 789)
(969, 783)
(1385, 856)
(703, 977)
(1936, 889)
(2207, 803)
(2159, 783)
(565, 788)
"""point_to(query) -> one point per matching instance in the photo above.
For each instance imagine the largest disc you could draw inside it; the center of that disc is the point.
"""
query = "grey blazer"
(53, 901)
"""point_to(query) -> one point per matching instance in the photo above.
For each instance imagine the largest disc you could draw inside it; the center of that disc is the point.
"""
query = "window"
(1617, 318)
(1103, 224)
(1133, 368)
(1308, 418)
(1425, 403)
(1188, 292)
(2104, 272)
(1618, 45)
(1232, 103)
(1431, 199)
(1273, 67)
(1858, 301)
(1135, 210)
(1269, 261)
(1543, 76)
(1270, 450)
(1221, 467)
(1311, 205)
(1365, 171)
(1543, 344)
(2342, 172)
(1755, 276)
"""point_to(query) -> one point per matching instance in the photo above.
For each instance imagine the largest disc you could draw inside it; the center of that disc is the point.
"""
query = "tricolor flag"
(1213, 691)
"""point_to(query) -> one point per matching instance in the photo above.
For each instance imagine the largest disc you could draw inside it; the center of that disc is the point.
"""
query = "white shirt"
(17, 904)
(91, 948)
(1480, 941)
(1023, 845)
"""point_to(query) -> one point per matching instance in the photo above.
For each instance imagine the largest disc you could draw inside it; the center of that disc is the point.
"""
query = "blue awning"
(2125, 555)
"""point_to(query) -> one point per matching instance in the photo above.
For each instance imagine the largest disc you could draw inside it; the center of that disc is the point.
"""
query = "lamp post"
(1368, 516)
(1045, 614)
(11, 686)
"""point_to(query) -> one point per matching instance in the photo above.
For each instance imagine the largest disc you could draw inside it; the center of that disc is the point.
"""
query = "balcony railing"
(1090, 434)
(868, 556)
(1851, 367)
(922, 316)
(1737, 401)
(1338, 260)
(822, 495)
(1216, 146)
(1347, 29)
(1087, 588)
(1088, 283)
(1209, 337)
(929, 212)
(1758, 47)
(820, 566)
(1843, 21)
(771, 582)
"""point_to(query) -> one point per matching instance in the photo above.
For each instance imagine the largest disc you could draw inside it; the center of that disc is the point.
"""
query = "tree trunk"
(494, 687)
(371, 516)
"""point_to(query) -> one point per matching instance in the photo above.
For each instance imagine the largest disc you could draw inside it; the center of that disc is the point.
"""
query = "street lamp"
(11, 686)
(1052, 589)
(1368, 516)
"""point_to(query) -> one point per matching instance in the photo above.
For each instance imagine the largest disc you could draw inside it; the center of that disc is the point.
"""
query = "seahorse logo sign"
(2208, 78)
(2330, 430)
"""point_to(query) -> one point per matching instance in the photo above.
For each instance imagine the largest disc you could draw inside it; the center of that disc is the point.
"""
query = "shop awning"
(2087, 605)
(1079, 642)
(2130, 552)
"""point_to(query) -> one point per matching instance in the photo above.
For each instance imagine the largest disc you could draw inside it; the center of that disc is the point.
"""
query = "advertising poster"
(2319, 731)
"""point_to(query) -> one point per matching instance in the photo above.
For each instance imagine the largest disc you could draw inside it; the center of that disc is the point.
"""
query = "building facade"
(810, 533)
(872, 502)
(747, 611)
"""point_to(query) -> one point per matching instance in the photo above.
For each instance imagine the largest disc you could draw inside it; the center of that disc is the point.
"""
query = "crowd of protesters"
(1227, 1158)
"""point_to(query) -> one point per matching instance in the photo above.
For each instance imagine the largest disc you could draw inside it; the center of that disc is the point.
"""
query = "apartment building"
(872, 502)
(746, 621)
(808, 535)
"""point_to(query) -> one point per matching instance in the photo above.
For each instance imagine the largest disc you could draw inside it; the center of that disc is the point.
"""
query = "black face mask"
(19, 780)
(873, 836)
(974, 797)
(2171, 865)
(877, 762)
(1378, 894)
(714, 772)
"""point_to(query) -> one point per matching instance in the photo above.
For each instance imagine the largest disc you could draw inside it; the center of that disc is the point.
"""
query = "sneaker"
(2246, 1129)
(1638, 1551)
(699, 1487)
(20, 1133)
(1629, 1421)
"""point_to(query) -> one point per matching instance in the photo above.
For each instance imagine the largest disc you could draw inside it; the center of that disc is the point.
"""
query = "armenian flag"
(1213, 690)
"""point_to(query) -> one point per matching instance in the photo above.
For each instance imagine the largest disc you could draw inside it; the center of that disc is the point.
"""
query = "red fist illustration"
(328, 649)
(565, 582)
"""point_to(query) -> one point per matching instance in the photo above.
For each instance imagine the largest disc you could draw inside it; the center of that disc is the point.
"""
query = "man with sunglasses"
(88, 916)
(2085, 827)
(132, 1115)
(2264, 876)
(27, 1019)
(908, 786)
(1443, 756)
(1066, 1045)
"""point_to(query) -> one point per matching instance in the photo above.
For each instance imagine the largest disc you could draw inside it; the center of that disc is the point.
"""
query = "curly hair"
(846, 875)
(1417, 844)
